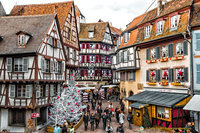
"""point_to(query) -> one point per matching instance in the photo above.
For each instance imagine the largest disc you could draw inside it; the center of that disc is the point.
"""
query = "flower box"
(164, 83)
(177, 84)
(178, 58)
(163, 59)
(151, 84)
(151, 61)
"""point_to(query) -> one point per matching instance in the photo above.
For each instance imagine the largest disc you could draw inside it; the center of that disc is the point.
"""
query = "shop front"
(194, 106)
(164, 109)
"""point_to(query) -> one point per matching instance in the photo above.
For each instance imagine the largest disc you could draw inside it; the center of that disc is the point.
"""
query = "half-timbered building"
(68, 24)
(95, 61)
(32, 67)
(164, 44)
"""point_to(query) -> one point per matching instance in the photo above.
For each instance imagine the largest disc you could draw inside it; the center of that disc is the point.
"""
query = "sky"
(118, 12)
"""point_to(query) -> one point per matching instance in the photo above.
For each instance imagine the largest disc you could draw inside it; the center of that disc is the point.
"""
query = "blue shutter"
(171, 75)
(186, 74)
(198, 73)
(185, 48)
(158, 52)
(147, 75)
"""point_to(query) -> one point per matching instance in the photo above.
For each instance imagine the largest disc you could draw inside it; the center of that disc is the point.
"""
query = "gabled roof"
(37, 26)
(169, 7)
(98, 28)
(164, 99)
(40, 9)
(2, 10)
(115, 30)
(195, 17)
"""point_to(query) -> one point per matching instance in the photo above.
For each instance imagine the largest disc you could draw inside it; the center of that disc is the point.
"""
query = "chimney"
(159, 8)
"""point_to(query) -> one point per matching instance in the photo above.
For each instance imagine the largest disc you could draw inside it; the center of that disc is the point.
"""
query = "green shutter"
(158, 52)
(185, 48)
(147, 54)
(171, 75)
(186, 74)
(169, 50)
(134, 76)
(158, 75)
(147, 75)
(172, 50)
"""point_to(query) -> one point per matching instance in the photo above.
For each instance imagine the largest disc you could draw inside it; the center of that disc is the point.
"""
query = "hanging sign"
(35, 115)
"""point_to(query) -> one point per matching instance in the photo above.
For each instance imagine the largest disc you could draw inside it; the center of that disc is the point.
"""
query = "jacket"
(120, 130)
(86, 118)
(57, 129)
(64, 130)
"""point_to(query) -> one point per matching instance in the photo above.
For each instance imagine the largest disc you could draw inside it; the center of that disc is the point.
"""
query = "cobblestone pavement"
(114, 124)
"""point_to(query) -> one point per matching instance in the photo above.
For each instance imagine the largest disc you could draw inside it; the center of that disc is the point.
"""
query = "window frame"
(160, 27)
(175, 71)
(160, 113)
(174, 22)
(21, 40)
(147, 31)
(167, 54)
(182, 46)
(162, 74)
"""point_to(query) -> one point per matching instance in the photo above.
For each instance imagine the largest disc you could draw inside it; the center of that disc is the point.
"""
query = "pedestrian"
(120, 129)
(100, 102)
(117, 112)
(64, 129)
(104, 118)
(88, 109)
(110, 106)
(110, 115)
(85, 120)
(130, 119)
(92, 120)
(109, 129)
(72, 128)
(122, 107)
(106, 110)
(120, 101)
(57, 129)
(97, 118)
(121, 118)
(93, 104)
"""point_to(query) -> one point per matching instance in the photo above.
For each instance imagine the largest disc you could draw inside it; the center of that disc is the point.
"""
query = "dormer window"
(126, 37)
(147, 31)
(91, 34)
(23, 39)
(160, 26)
(173, 22)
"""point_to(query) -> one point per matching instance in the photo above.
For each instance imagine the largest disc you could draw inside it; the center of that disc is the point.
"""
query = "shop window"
(163, 113)
(165, 51)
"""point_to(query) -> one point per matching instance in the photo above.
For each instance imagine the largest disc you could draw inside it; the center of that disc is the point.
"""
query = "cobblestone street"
(114, 124)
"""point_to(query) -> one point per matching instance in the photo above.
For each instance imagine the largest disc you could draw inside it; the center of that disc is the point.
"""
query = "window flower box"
(177, 84)
(178, 58)
(151, 83)
(163, 59)
(151, 61)
(164, 82)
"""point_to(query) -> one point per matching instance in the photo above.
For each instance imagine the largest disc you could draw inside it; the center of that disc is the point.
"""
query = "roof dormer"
(23, 39)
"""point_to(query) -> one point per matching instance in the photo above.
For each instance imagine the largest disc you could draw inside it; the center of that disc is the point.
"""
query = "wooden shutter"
(158, 52)
(186, 74)
(12, 91)
(51, 90)
(147, 54)
(172, 50)
(83, 58)
(185, 48)
(101, 46)
(9, 64)
(28, 93)
(42, 64)
(25, 64)
(63, 67)
(147, 75)
(52, 66)
(128, 54)
(158, 75)
(83, 45)
(100, 59)
(171, 75)
(96, 72)
(47, 90)
(97, 46)
(87, 46)
(96, 58)
(88, 58)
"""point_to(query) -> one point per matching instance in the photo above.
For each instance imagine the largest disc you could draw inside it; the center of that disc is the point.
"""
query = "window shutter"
(128, 54)
(186, 74)
(63, 67)
(47, 90)
(134, 76)
(88, 58)
(52, 66)
(100, 59)
(12, 91)
(52, 90)
(169, 50)
(158, 52)
(185, 47)
(83, 58)
(147, 75)
(25, 64)
(9, 64)
(198, 73)
(87, 45)
(97, 46)
(147, 54)
(28, 93)
(42, 64)
(96, 58)
(172, 50)
(171, 75)
(158, 75)
(58, 90)
(122, 57)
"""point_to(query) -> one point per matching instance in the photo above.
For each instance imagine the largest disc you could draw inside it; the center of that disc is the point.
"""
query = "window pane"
(159, 112)
(197, 35)
(163, 113)
(198, 45)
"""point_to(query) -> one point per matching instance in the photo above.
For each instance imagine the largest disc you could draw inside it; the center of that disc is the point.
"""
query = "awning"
(86, 88)
(138, 105)
(107, 86)
(193, 104)
(165, 99)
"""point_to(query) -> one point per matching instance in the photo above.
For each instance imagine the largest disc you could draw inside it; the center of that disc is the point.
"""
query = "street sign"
(35, 115)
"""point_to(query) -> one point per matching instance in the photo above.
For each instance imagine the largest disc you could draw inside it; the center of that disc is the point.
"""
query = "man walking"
(117, 112)
(92, 120)
(130, 119)
(104, 117)
(85, 120)
(120, 129)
